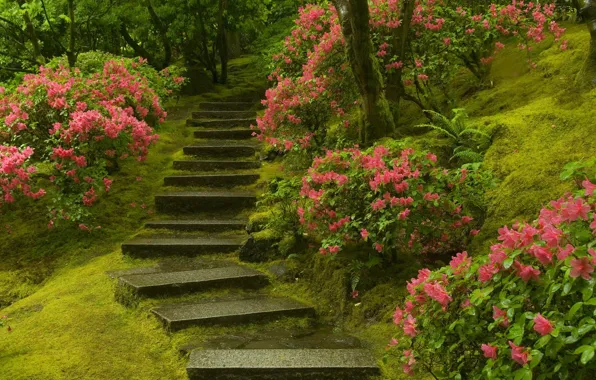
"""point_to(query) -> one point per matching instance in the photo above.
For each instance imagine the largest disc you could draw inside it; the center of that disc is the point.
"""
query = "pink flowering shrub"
(525, 309)
(15, 174)
(312, 79)
(395, 201)
(82, 125)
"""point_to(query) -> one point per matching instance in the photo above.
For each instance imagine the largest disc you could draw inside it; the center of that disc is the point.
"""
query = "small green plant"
(4, 322)
(467, 142)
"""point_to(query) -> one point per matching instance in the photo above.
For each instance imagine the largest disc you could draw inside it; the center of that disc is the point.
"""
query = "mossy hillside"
(71, 328)
(542, 121)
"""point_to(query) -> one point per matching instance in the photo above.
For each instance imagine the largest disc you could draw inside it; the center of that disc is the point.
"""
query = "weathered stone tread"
(237, 134)
(196, 225)
(282, 364)
(197, 201)
(221, 123)
(211, 180)
(209, 165)
(193, 280)
(226, 106)
(179, 316)
(220, 150)
(224, 114)
(182, 247)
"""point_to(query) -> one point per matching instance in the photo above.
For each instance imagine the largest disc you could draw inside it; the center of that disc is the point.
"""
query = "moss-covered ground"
(53, 286)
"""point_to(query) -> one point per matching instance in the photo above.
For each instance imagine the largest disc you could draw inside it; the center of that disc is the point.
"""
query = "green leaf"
(536, 358)
(507, 263)
(573, 310)
(542, 341)
(523, 374)
(591, 302)
(581, 349)
(587, 355)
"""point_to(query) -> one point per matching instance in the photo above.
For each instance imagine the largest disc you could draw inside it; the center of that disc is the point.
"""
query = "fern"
(468, 143)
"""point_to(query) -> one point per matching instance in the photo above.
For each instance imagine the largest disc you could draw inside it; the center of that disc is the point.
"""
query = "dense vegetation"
(451, 141)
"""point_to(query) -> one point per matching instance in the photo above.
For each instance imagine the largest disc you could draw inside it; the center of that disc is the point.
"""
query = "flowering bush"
(396, 201)
(310, 73)
(527, 308)
(81, 125)
(15, 174)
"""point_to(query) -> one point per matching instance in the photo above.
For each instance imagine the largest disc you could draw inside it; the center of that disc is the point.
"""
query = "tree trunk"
(139, 50)
(205, 57)
(71, 54)
(223, 41)
(32, 34)
(163, 32)
(395, 85)
(354, 18)
(587, 75)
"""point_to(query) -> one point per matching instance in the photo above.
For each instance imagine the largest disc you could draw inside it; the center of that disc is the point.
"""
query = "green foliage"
(468, 142)
(530, 299)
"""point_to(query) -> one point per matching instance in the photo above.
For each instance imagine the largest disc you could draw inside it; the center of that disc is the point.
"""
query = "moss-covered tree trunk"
(163, 32)
(32, 34)
(354, 18)
(395, 85)
(71, 53)
(587, 76)
(223, 41)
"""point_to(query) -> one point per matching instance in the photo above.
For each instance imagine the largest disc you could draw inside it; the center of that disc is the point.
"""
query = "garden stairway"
(204, 212)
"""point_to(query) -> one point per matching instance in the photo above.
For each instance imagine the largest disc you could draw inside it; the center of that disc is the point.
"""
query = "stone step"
(172, 283)
(197, 201)
(206, 165)
(214, 180)
(286, 364)
(197, 225)
(226, 106)
(217, 150)
(179, 316)
(179, 247)
(223, 123)
(224, 114)
(231, 134)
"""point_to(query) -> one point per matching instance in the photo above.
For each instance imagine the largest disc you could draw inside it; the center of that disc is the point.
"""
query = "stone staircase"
(203, 215)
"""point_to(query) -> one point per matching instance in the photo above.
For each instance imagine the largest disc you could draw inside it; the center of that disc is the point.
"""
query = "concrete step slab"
(179, 247)
(213, 180)
(174, 283)
(179, 316)
(292, 364)
(185, 202)
(197, 225)
(230, 134)
(220, 150)
(224, 114)
(227, 106)
(222, 123)
(211, 165)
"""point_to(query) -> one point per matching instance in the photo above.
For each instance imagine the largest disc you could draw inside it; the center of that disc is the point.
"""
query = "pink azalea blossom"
(519, 354)
(489, 351)
(542, 325)
(498, 313)
(581, 267)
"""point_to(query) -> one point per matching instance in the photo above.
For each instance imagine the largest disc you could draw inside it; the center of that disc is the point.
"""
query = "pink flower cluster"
(542, 243)
(535, 262)
(395, 184)
(15, 174)
(80, 124)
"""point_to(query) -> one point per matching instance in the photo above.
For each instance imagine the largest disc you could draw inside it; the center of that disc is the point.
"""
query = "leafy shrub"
(526, 309)
(165, 83)
(468, 143)
(310, 82)
(77, 127)
(396, 201)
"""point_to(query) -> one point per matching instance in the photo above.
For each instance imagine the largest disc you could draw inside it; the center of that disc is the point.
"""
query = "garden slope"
(54, 288)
